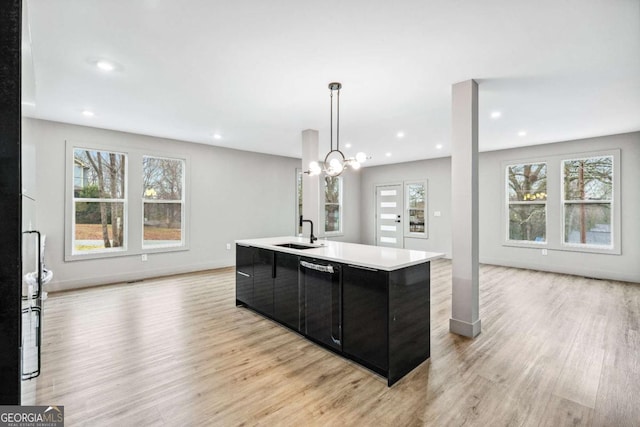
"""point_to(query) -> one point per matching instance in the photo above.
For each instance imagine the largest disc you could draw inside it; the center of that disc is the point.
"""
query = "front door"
(389, 226)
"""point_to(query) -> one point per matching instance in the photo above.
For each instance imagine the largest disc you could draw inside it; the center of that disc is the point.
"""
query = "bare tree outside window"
(332, 204)
(163, 201)
(527, 200)
(99, 200)
(416, 207)
(588, 195)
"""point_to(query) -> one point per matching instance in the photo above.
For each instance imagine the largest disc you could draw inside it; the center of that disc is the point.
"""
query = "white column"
(465, 318)
(310, 184)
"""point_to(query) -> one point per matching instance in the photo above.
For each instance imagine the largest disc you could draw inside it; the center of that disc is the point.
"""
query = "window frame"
(555, 205)
(299, 183)
(133, 214)
(71, 200)
(340, 231)
(614, 202)
(182, 201)
(406, 209)
(506, 212)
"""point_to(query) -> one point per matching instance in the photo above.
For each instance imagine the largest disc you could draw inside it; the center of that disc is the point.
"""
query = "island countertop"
(377, 257)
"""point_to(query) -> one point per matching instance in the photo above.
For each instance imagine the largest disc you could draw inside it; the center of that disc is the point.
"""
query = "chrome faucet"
(312, 238)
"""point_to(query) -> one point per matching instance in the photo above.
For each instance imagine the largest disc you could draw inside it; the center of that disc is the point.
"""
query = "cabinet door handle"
(243, 274)
(360, 267)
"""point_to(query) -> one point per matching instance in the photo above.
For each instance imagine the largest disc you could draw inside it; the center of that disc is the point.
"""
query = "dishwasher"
(321, 297)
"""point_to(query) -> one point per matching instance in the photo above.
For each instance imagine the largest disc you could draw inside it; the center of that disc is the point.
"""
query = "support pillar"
(310, 184)
(465, 317)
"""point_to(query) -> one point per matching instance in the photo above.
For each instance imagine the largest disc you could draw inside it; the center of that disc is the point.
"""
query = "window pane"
(588, 179)
(587, 223)
(162, 224)
(527, 222)
(162, 178)
(332, 189)
(332, 218)
(527, 182)
(416, 196)
(332, 199)
(98, 174)
(299, 193)
(416, 221)
(99, 226)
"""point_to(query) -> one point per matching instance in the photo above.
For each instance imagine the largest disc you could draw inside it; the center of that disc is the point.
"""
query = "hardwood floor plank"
(554, 350)
(562, 412)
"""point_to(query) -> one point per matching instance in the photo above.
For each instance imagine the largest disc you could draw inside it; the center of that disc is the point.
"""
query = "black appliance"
(321, 297)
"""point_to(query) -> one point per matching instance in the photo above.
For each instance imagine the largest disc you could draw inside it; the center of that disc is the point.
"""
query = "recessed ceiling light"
(495, 114)
(105, 65)
(522, 133)
(217, 136)
(387, 154)
(400, 134)
(348, 145)
(88, 113)
(439, 146)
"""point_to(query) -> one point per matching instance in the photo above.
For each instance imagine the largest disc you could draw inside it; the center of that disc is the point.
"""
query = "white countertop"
(377, 257)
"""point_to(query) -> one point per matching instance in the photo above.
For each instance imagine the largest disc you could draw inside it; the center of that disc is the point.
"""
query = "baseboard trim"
(466, 329)
(88, 282)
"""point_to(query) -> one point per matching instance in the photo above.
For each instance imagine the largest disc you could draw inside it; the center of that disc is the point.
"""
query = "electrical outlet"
(228, 246)
(144, 257)
(436, 213)
(544, 252)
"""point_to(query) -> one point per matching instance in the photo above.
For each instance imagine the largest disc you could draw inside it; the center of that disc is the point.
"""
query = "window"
(162, 202)
(527, 202)
(99, 201)
(587, 201)
(416, 208)
(104, 219)
(333, 205)
(298, 200)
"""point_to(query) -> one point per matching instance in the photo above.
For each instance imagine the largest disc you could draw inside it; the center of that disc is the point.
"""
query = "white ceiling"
(256, 71)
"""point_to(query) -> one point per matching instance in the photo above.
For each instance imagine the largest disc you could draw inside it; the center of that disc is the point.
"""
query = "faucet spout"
(312, 238)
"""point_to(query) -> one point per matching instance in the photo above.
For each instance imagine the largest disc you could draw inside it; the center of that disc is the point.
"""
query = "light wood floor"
(554, 350)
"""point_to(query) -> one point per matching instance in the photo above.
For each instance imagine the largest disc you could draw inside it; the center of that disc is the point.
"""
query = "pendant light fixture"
(335, 162)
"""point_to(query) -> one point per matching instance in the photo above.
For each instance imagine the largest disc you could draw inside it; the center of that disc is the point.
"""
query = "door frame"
(375, 208)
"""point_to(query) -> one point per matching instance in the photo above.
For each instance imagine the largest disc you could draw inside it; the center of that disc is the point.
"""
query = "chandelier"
(335, 162)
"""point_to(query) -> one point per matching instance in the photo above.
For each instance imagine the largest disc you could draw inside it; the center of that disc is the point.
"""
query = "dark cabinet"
(365, 316)
(286, 304)
(377, 318)
(263, 274)
(244, 274)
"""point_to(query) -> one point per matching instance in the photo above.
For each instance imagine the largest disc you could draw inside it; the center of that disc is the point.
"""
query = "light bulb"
(355, 165)
(335, 163)
(105, 65)
(314, 168)
(361, 157)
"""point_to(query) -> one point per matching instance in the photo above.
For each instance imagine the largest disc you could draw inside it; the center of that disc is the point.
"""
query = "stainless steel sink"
(296, 246)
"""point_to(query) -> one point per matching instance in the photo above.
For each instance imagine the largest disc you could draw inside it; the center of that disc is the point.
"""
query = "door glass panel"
(388, 192)
(388, 204)
(388, 239)
(388, 227)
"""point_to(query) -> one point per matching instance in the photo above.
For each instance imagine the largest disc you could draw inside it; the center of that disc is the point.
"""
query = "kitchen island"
(370, 304)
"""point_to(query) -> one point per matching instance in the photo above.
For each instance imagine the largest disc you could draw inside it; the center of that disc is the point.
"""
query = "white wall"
(234, 195)
(619, 267)
(438, 174)
(492, 251)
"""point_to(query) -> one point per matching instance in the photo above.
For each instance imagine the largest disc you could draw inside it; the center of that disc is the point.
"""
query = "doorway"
(389, 225)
